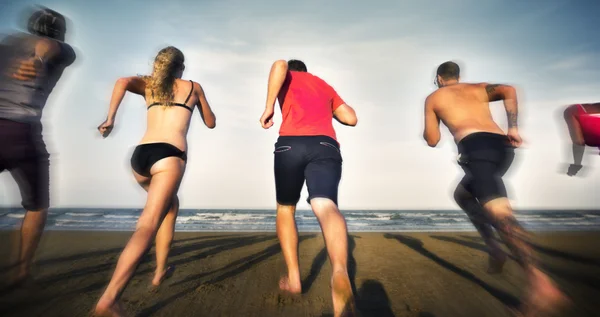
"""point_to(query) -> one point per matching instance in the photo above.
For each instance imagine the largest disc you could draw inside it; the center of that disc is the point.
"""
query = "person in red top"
(307, 149)
(583, 121)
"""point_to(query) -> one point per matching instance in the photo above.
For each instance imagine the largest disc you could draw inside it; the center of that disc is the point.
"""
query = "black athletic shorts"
(316, 159)
(23, 153)
(485, 158)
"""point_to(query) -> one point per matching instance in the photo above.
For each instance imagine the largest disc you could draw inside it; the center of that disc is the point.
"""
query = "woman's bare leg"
(163, 186)
(164, 238)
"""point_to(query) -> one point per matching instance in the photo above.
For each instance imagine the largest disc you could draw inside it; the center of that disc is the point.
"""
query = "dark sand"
(236, 274)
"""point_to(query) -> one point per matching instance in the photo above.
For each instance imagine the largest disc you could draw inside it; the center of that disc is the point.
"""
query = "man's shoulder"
(67, 53)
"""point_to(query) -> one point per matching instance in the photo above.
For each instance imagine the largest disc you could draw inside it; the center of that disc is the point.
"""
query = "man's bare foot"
(341, 292)
(286, 285)
(159, 278)
(544, 296)
(496, 262)
(107, 309)
(21, 280)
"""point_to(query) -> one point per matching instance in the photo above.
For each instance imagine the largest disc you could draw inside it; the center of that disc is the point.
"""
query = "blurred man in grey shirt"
(30, 66)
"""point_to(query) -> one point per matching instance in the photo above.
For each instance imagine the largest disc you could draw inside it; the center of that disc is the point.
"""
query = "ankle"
(340, 269)
(294, 277)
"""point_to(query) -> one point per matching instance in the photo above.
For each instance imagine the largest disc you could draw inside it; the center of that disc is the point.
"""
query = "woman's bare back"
(170, 124)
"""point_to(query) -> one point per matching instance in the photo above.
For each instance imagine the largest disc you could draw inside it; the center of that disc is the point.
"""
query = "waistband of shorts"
(8, 124)
(489, 136)
(307, 138)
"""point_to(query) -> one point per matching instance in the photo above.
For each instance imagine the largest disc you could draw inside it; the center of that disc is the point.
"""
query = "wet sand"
(236, 274)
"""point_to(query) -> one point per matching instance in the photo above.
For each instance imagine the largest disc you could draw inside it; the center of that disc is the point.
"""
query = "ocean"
(108, 219)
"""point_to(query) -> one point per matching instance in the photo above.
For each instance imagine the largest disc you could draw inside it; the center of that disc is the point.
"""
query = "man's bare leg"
(287, 232)
(543, 293)
(477, 215)
(31, 233)
(164, 238)
(335, 233)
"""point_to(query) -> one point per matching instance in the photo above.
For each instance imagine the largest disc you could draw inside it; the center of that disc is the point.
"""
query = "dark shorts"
(485, 158)
(316, 159)
(23, 153)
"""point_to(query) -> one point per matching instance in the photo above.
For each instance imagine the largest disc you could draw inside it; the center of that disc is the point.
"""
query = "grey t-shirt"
(24, 100)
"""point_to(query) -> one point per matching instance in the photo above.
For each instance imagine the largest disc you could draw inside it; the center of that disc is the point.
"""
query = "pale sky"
(380, 56)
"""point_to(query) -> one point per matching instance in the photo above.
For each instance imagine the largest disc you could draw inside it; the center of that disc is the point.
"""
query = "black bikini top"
(178, 104)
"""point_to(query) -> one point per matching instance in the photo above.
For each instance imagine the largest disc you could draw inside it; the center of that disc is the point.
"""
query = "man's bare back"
(464, 109)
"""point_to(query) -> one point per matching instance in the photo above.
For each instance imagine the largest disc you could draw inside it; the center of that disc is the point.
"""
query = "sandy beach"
(435, 274)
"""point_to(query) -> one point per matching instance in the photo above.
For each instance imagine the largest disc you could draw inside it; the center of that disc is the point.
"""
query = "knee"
(499, 208)
(175, 202)
(461, 195)
(286, 209)
(323, 206)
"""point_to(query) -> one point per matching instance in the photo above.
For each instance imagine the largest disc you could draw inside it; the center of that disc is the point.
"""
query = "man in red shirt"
(583, 121)
(307, 149)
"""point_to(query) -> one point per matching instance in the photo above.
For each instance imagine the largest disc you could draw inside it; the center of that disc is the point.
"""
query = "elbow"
(431, 141)
(280, 65)
(511, 93)
(122, 82)
(352, 121)
(212, 123)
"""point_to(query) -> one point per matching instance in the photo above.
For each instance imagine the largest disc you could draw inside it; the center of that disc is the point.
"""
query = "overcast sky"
(380, 56)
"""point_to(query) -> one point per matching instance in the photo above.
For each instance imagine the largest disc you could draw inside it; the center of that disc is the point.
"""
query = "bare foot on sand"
(18, 281)
(341, 292)
(106, 309)
(286, 285)
(543, 297)
(496, 262)
(161, 277)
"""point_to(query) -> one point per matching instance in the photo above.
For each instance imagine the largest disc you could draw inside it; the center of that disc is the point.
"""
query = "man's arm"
(31, 67)
(345, 115)
(508, 95)
(576, 134)
(342, 112)
(276, 79)
(431, 134)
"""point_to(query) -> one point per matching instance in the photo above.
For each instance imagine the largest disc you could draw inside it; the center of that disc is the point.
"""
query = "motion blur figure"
(583, 121)
(158, 164)
(30, 66)
(485, 154)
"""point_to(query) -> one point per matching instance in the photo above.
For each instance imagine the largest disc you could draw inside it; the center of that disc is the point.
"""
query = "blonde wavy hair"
(167, 64)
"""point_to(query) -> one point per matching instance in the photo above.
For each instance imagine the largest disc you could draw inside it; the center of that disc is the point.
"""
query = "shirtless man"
(583, 121)
(307, 149)
(30, 66)
(485, 154)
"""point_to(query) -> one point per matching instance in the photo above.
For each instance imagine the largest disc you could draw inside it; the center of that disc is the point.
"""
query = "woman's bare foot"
(106, 309)
(341, 292)
(544, 296)
(286, 285)
(162, 276)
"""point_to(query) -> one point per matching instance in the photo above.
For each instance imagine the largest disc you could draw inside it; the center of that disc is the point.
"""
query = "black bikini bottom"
(145, 155)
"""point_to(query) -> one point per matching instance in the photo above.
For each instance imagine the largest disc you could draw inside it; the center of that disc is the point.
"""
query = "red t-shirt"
(307, 104)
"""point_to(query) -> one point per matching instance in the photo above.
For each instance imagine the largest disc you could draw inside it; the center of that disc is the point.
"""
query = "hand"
(514, 137)
(267, 118)
(28, 69)
(106, 128)
(573, 169)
